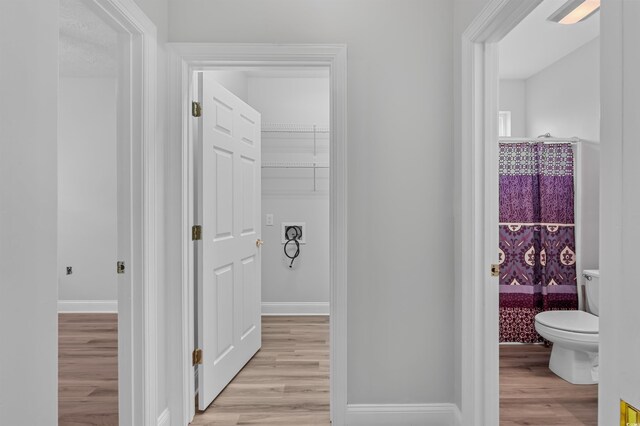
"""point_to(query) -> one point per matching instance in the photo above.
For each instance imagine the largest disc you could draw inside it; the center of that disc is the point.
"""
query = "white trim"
(137, 334)
(479, 208)
(164, 419)
(293, 308)
(185, 58)
(403, 414)
(87, 306)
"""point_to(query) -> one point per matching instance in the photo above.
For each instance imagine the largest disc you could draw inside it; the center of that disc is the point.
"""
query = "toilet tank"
(592, 285)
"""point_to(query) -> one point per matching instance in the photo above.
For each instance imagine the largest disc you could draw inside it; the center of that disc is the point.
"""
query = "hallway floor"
(87, 369)
(286, 383)
(530, 394)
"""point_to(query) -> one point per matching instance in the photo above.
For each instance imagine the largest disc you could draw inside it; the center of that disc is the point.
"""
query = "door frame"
(137, 162)
(184, 60)
(479, 208)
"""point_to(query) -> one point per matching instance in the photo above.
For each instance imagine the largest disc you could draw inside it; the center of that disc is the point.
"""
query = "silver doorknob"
(259, 243)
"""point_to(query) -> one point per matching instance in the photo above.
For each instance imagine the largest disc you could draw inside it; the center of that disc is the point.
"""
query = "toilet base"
(571, 365)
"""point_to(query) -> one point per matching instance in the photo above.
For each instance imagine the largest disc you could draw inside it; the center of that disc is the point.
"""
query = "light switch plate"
(269, 221)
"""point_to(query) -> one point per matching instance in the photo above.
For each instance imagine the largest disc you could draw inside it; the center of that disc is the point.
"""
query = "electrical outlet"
(269, 220)
(69, 270)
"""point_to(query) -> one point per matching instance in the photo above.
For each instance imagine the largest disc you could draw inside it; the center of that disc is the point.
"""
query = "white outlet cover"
(302, 225)
(269, 219)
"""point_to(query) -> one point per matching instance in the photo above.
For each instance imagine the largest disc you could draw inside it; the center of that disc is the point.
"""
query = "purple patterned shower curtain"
(537, 236)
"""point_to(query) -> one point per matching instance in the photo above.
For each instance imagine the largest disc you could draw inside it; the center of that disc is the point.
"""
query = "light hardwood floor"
(530, 394)
(286, 383)
(87, 369)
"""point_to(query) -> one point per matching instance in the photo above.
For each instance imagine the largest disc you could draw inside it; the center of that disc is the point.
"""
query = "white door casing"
(228, 271)
(184, 60)
(479, 207)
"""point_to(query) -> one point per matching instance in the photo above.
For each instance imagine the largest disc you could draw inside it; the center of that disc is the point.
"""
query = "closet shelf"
(293, 165)
(297, 128)
(293, 128)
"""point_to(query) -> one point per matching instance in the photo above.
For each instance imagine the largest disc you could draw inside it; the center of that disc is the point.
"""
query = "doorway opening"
(185, 59)
(107, 226)
(87, 217)
(549, 218)
(482, 124)
(277, 137)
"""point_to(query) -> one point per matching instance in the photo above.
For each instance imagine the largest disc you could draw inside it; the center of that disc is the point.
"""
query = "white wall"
(564, 100)
(288, 194)
(620, 208)
(234, 81)
(296, 100)
(400, 295)
(513, 98)
(28, 212)
(87, 203)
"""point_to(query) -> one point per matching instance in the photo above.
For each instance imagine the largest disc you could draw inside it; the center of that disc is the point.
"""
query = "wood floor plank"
(530, 394)
(286, 383)
(87, 369)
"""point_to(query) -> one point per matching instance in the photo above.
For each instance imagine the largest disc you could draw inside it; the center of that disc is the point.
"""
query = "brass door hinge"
(495, 270)
(120, 267)
(197, 357)
(196, 232)
(196, 109)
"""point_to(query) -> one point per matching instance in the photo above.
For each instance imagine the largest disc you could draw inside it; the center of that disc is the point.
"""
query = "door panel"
(228, 270)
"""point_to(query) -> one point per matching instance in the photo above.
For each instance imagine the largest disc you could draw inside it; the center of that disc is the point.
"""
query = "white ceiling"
(88, 46)
(537, 43)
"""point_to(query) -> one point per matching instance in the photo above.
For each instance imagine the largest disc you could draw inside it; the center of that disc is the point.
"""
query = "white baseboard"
(164, 419)
(403, 414)
(292, 308)
(102, 306)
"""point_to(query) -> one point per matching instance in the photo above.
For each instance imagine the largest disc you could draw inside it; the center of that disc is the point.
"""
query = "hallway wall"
(28, 212)
(400, 153)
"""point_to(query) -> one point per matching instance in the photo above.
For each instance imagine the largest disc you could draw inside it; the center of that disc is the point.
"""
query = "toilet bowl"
(575, 336)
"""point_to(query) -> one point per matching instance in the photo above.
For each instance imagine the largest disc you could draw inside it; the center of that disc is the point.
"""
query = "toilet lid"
(576, 321)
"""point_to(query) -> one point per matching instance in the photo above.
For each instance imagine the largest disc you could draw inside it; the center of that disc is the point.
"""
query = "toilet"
(574, 335)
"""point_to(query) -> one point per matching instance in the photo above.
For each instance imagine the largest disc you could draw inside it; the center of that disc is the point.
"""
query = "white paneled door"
(228, 265)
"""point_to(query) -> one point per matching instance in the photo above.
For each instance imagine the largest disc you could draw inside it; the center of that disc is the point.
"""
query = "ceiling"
(537, 43)
(88, 46)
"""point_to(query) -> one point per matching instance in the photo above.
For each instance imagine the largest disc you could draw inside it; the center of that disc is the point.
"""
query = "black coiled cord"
(293, 239)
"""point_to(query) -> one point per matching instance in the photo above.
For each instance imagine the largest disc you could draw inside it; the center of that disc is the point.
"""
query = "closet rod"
(549, 141)
(294, 167)
(293, 128)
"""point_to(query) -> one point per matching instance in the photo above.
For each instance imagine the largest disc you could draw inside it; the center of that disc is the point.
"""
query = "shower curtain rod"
(573, 140)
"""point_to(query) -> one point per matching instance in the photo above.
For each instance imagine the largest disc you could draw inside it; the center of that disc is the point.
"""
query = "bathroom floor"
(530, 394)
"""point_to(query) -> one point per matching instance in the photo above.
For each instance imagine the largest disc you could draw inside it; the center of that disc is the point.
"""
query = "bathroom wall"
(513, 98)
(288, 194)
(564, 100)
(87, 203)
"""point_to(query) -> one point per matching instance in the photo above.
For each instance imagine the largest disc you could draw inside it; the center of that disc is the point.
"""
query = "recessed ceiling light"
(575, 11)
